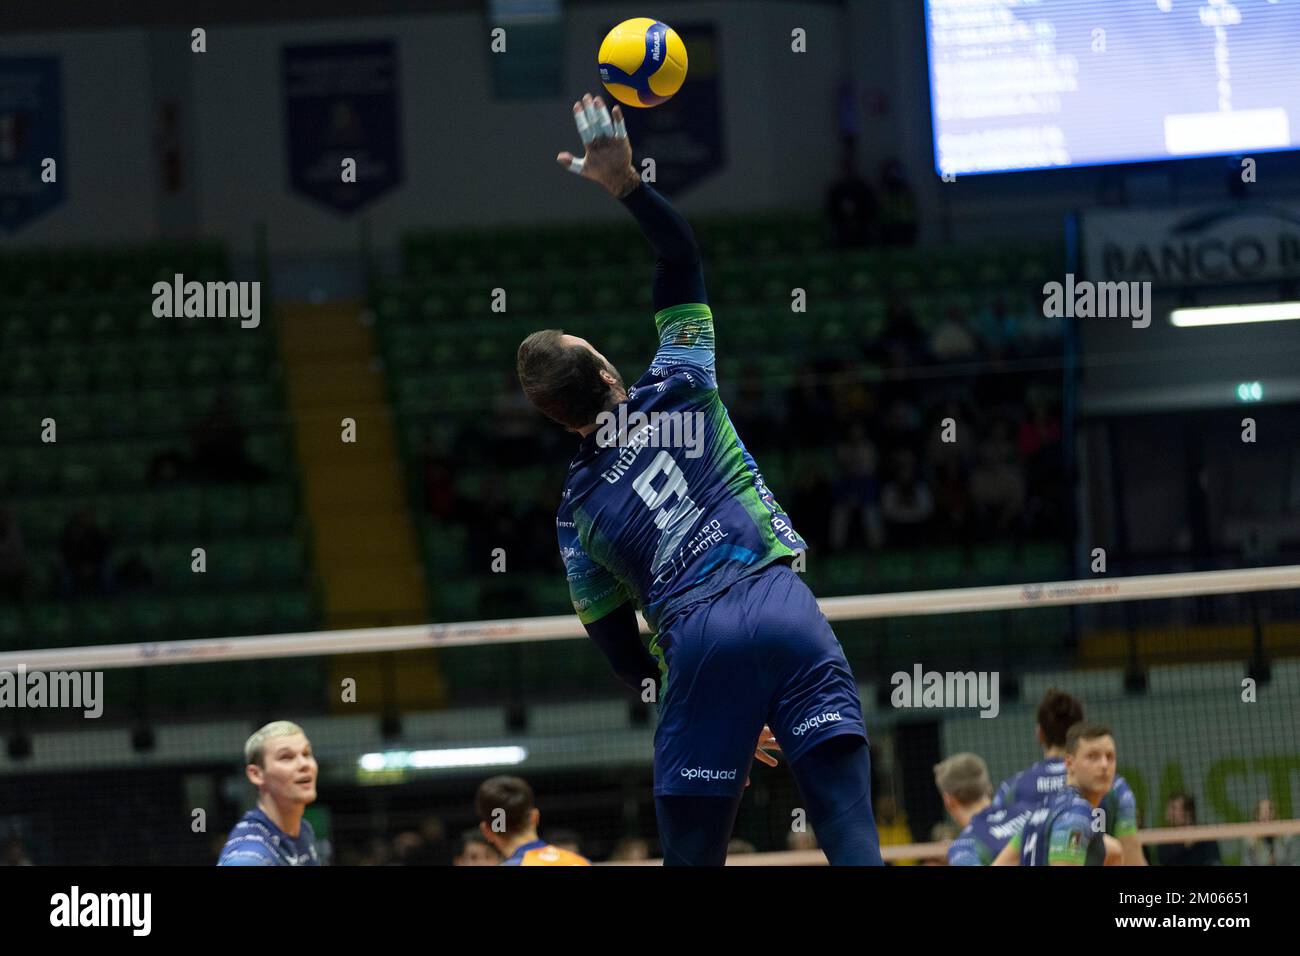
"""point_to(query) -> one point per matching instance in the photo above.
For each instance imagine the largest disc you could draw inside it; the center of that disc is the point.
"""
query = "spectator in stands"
(751, 412)
(439, 485)
(168, 467)
(902, 344)
(851, 205)
(952, 500)
(996, 327)
(952, 340)
(566, 840)
(1269, 850)
(941, 832)
(408, 849)
(809, 505)
(892, 825)
(475, 851)
(852, 400)
(1039, 444)
(14, 854)
(1040, 432)
(13, 558)
(132, 574)
(630, 850)
(513, 424)
(810, 404)
(803, 839)
(906, 502)
(1180, 811)
(998, 483)
(855, 494)
(898, 208)
(219, 442)
(84, 550)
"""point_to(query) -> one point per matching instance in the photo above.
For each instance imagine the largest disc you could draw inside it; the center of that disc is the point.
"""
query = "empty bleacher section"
(840, 405)
(171, 436)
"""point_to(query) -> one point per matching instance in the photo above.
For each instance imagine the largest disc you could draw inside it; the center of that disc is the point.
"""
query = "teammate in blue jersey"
(665, 510)
(963, 782)
(1064, 829)
(1057, 712)
(279, 762)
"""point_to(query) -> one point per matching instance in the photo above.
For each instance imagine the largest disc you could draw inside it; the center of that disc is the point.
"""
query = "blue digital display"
(1037, 84)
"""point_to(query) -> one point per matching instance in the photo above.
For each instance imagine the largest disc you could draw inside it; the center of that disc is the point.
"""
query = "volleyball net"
(1197, 674)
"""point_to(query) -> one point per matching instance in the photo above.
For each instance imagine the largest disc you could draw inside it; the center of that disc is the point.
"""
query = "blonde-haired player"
(963, 782)
(279, 762)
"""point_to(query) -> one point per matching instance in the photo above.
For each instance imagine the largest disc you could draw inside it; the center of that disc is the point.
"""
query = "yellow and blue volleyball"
(642, 62)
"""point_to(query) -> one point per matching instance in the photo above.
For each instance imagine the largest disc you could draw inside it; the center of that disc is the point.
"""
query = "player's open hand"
(766, 741)
(608, 156)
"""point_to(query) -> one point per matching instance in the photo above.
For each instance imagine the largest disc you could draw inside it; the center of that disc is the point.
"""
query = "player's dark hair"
(1057, 713)
(563, 381)
(1187, 800)
(1082, 731)
(511, 795)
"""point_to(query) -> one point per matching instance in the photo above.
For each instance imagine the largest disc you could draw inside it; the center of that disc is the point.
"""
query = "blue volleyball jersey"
(256, 841)
(1047, 777)
(1034, 784)
(675, 510)
(1059, 831)
(981, 840)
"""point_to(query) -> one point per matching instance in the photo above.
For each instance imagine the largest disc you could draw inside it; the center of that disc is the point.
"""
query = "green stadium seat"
(249, 614)
(234, 563)
(149, 618)
(895, 570)
(282, 561)
(228, 510)
(273, 508)
(294, 612)
(179, 512)
(199, 617)
(50, 625)
(173, 568)
(13, 628)
(994, 562)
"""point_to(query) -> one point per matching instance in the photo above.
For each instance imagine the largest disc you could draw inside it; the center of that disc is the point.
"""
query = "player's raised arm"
(679, 273)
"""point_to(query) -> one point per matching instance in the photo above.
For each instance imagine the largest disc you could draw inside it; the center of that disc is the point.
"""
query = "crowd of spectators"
(930, 454)
(88, 563)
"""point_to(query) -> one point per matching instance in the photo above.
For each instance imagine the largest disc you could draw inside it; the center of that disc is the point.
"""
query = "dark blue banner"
(31, 130)
(341, 102)
(684, 136)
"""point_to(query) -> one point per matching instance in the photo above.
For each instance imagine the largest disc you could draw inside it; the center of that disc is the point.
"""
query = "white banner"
(1221, 243)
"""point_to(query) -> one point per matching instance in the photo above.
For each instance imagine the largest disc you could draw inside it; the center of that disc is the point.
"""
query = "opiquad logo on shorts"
(812, 723)
(699, 773)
